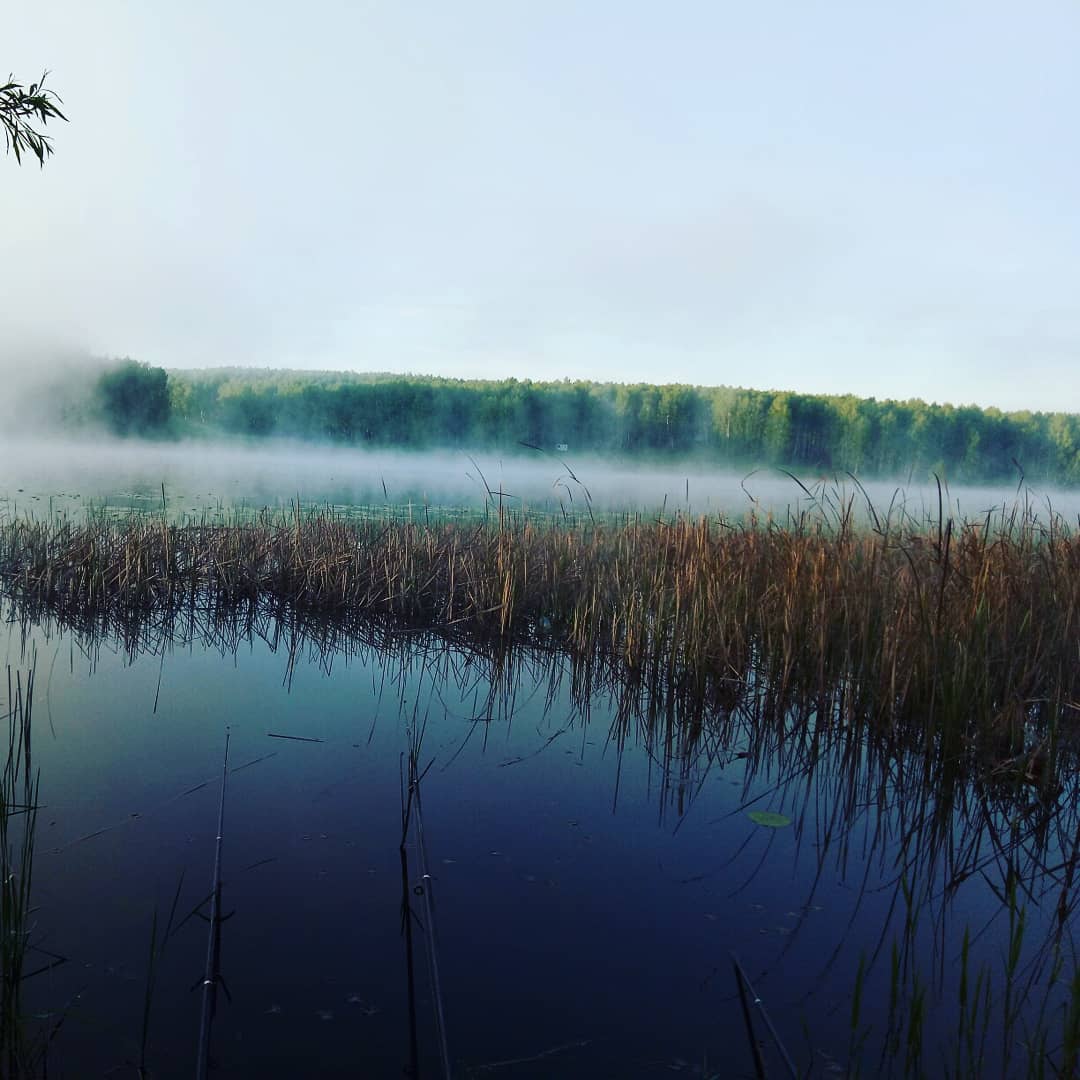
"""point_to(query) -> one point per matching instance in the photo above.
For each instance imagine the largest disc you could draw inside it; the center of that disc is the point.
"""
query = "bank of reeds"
(940, 631)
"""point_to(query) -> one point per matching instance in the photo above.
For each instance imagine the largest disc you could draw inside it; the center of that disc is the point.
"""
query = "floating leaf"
(768, 819)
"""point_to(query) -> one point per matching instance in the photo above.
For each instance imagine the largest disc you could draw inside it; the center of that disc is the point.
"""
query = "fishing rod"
(755, 1046)
(742, 980)
(212, 974)
(407, 920)
(425, 890)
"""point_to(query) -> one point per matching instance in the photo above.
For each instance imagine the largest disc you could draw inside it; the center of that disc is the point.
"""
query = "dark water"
(593, 863)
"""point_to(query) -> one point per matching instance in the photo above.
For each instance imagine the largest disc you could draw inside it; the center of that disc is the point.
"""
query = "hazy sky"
(881, 199)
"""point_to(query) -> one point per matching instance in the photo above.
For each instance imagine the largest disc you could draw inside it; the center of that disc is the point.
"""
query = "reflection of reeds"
(1034, 1038)
(18, 817)
(154, 958)
(950, 635)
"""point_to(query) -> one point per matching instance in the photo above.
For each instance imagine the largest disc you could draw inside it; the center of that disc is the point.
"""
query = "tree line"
(724, 424)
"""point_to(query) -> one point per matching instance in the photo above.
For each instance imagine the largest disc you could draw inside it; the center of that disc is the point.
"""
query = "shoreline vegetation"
(719, 425)
(916, 678)
(958, 636)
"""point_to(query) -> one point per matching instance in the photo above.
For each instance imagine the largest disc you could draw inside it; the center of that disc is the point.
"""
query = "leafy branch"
(21, 109)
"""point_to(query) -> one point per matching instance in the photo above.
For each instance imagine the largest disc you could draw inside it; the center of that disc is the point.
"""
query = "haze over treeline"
(723, 424)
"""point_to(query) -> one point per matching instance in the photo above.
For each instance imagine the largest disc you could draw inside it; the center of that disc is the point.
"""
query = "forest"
(723, 424)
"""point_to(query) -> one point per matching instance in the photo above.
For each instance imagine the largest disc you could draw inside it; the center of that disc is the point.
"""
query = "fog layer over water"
(199, 478)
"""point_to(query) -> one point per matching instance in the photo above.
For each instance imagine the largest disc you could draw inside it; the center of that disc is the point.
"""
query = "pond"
(583, 858)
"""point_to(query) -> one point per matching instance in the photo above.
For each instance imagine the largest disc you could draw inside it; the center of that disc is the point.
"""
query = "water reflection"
(587, 831)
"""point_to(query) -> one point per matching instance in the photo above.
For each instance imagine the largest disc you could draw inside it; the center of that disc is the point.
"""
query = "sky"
(836, 197)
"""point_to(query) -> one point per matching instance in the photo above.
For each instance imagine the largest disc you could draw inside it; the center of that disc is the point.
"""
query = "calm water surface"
(593, 868)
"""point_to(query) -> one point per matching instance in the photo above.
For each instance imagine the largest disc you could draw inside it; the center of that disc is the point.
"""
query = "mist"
(43, 381)
(39, 475)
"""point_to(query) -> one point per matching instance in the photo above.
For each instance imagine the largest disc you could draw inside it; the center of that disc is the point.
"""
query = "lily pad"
(769, 819)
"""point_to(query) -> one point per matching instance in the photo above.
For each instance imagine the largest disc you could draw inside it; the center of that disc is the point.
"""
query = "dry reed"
(939, 631)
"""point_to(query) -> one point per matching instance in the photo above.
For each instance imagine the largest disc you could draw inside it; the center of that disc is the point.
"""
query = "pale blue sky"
(834, 197)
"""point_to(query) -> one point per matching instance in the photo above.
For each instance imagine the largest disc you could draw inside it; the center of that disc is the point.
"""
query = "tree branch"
(21, 110)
